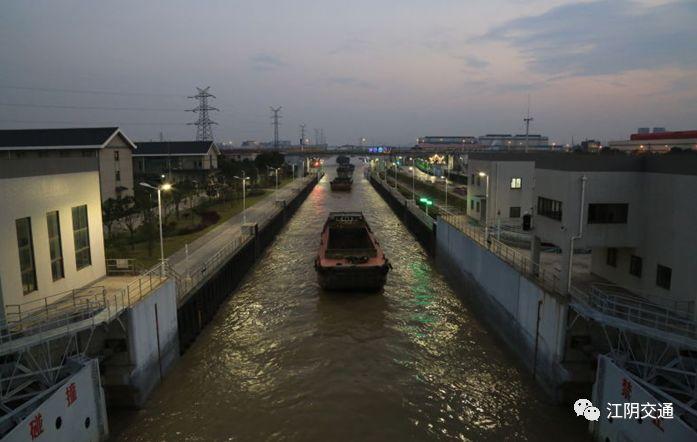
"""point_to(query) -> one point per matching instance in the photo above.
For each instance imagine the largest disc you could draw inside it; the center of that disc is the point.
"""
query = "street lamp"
(486, 213)
(244, 196)
(276, 172)
(165, 187)
(413, 180)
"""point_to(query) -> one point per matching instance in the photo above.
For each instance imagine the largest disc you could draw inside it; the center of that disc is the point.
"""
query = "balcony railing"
(75, 309)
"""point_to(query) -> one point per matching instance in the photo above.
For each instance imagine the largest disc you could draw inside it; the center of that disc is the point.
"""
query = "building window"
(611, 257)
(54, 245)
(116, 155)
(472, 180)
(479, 180)
(549, 208)
(477, 206)
(471, 204)
(25, 245)
(607, 213)
(635, 266)
(514, 212)
(81, 235)
(663, 275)
(87, 153)
(118, 175)
(516, 183)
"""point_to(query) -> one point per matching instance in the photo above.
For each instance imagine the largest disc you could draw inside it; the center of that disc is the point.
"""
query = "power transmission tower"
(527, 121)
(302, 136)
(316, 137)
(275, 118)
(321, 137)
(204, 130)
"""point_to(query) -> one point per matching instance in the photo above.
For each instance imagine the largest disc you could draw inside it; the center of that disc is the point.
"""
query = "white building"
(178, 159)
(109, 144)
(51, 217)
(635, 213)
(510, 180)
(657, 141)
(514, 142)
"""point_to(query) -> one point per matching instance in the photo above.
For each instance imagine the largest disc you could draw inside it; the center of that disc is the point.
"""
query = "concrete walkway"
(204, 247)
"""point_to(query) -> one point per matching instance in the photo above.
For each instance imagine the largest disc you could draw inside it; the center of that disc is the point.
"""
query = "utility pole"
(204, 131)
(527, 121)
(302, 136)
(275, 118)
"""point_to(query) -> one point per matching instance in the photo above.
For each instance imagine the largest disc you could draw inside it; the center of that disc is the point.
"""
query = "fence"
(73, 310)
(603, 298)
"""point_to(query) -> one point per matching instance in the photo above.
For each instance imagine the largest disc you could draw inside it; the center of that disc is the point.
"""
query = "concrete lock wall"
(75, 411)
(153, 344)
(199, 308)
(508, 302)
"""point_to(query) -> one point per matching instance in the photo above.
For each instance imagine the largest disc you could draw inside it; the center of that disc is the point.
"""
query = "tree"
(130, 217)
(144, 207)
(111, 211)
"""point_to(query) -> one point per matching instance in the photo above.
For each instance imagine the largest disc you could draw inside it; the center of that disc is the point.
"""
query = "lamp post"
(244, 196)
(486, 213)
(165, 187)
(413, 180)
(275, 169)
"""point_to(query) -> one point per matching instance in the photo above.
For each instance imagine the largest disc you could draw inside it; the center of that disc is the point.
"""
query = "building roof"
(677, 135)
(73, 138)
(678, 164)
(176, 148)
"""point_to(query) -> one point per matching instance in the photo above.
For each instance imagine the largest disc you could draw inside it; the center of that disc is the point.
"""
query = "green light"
(426, 201)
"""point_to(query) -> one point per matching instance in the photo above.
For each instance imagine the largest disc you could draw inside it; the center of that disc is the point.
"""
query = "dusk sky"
(387, 70)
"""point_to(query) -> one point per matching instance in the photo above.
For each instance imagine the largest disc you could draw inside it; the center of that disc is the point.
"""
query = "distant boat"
(341, 183)
(350, 257)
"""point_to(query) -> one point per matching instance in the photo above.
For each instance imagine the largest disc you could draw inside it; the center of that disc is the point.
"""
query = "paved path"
(204, 247)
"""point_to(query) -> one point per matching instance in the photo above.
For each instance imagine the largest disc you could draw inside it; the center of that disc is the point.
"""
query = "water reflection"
(285, 361)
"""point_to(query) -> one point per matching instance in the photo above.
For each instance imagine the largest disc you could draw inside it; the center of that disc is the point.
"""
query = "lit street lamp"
(244, 196)
(165, 187)
(486, 213)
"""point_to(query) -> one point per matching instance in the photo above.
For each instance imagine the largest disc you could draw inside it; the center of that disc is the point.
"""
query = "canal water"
(284, 361)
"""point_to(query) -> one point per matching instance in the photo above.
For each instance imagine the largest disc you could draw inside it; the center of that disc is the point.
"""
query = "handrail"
(625, 306)
(69, 308)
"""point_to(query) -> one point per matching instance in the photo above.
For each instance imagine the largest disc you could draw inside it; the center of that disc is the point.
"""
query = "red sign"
(36, 426)
(71, 393)
(626, 389)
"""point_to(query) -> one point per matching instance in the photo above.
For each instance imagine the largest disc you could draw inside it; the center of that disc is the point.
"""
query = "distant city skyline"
(389, 72)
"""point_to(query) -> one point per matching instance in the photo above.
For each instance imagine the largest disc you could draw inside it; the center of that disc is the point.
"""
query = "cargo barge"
(350, 257)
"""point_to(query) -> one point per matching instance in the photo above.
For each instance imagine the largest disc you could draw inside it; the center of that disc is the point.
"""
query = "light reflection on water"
(284, 361)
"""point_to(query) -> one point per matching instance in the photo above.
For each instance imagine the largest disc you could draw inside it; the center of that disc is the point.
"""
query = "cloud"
(604, 37)
(266, 62)
(350, 46)
(350, 82)
(473, 61)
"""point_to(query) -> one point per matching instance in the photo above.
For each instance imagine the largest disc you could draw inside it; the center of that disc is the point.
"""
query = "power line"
(65, 106)
(86, 91)
(82, 123)
(204, 125)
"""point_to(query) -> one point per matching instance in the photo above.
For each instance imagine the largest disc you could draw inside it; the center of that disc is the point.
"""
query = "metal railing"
(193, 278)
(69, 311)
(606, 299)
(121, 266)
(631, 308)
